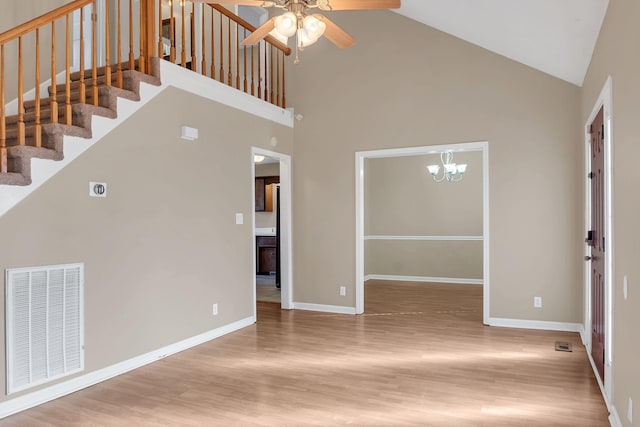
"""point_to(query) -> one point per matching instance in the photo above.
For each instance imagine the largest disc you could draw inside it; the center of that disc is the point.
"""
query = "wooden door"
(597, 241)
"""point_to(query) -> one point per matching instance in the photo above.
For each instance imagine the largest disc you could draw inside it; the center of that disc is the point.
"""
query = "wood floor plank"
(420, 356)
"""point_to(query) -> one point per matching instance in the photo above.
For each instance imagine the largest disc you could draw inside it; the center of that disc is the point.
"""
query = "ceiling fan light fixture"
(303, 39)
(286, 24)
(313, 27)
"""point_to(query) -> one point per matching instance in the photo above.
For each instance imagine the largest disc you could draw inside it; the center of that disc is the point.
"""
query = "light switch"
(239, 219)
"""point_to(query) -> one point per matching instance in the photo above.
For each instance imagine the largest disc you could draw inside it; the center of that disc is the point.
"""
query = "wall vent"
(44, 324)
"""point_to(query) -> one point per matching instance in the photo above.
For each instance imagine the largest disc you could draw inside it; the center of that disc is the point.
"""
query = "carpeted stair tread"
(52, 135)
(45, 114)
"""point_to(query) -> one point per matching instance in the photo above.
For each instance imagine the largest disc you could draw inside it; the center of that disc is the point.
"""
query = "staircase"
(51, 144)
(38, 127)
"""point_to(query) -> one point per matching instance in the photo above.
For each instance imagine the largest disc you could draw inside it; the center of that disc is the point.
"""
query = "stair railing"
(208, 42)
(65, 31)
(86, 44)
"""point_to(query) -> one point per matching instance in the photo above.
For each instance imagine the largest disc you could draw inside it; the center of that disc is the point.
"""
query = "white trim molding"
(425, 279)
(427, 238)
(605, 101)
(614, 418)
(44, 395)
(286, 231)
(536, 324)
(360, 156)
(337, 309)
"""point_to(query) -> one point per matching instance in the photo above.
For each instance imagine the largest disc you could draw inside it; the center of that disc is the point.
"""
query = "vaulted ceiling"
(554, 36)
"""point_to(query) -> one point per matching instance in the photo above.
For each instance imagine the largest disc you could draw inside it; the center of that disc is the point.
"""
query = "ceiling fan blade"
(361, 4)
(335, 34)
(260, 33)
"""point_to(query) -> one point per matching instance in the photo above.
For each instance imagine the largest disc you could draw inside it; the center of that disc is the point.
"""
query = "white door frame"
(604, 100)
(286, 253)
(100, 33)
(418, 151)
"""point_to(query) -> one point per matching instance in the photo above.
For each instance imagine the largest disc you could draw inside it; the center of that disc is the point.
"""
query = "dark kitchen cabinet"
(266, 254)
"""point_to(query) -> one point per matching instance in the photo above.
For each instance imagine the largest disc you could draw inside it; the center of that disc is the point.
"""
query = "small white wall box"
(188, 133)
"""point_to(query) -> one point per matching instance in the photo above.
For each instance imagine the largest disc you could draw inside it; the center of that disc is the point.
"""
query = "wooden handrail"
(42, 20)
(275, 42)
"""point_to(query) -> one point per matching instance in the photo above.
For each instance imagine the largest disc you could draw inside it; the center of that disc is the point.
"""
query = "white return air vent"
(44, 320)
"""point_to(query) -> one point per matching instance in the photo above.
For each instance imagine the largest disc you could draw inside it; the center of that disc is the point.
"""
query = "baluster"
(284, 83)
(132, 57)
(237, 50)
(266, 74)
(213, 48)
(107, 60)
(221, 52)
(160, 44)
(68, 118)
(83, 90)
(184, 37)
(259, 72)
(203, 64)
(142, 61)
(278, 89)
(229, 74)
(253, 79)
(192, 40)
(119, 68)
(54, 90)
(21, 128)
(172, 33)
(3, 122)
(244, 62)
(94, 54)
(271, 98)
(38, 134)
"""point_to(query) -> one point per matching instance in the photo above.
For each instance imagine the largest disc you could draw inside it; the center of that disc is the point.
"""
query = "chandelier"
(451, 172)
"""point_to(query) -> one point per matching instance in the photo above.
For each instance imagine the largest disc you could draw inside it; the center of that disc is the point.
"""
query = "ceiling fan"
(307, 28)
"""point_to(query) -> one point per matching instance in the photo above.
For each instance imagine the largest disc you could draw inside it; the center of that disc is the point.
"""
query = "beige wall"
(267, 219)
(616, 55)
(411, 85)
(163, 246)
(402, 199)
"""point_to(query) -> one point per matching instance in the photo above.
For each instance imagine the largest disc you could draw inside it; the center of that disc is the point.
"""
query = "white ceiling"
(553, 36)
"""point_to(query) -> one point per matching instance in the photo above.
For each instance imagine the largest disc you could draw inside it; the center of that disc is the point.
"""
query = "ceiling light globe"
(314, 27)
(286, 24)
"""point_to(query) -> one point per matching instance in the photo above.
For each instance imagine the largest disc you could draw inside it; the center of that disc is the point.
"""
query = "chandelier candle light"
(451, 172)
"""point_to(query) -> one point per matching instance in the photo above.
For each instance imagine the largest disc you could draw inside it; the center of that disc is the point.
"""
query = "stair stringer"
(171, 76)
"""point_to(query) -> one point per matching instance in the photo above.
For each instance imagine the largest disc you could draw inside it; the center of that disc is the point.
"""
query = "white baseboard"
(536, 324)
(39, 397)
(423, 279)
(614, 419)
(338, 309)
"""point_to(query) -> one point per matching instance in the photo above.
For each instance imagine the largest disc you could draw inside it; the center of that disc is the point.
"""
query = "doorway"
(272, 228)
(481, 147)
(598, 270)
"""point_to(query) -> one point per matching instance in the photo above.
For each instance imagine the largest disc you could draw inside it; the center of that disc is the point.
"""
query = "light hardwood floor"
(420, 356)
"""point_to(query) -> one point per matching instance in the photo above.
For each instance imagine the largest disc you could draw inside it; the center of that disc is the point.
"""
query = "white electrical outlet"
(537, 302)
(343, 291)
(239, 219)
(625, 287)
(630, 410)
(215, 309)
